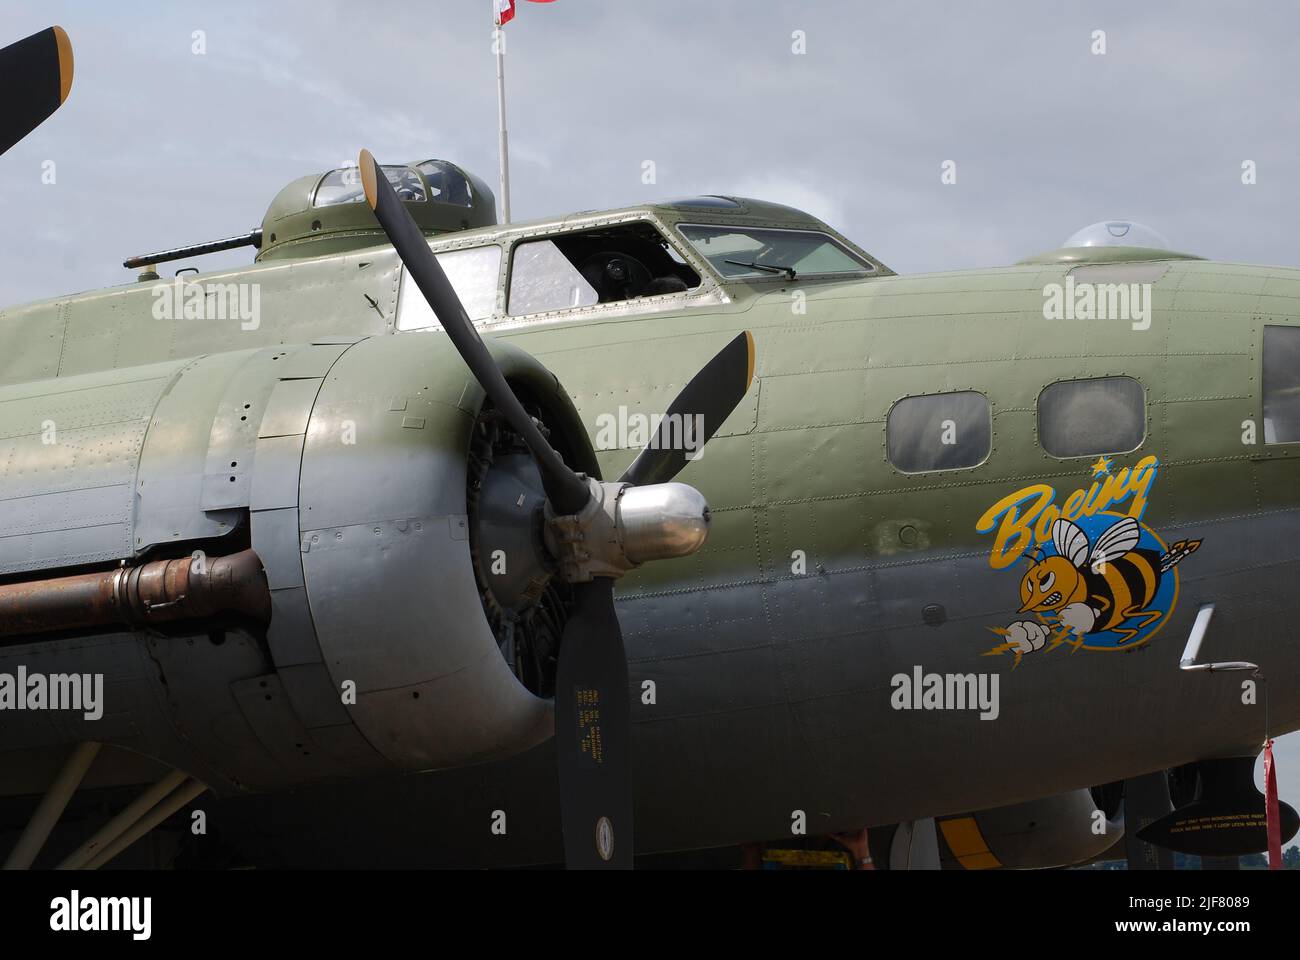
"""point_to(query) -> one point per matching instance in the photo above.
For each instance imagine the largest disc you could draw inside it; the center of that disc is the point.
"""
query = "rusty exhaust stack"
(164, 591)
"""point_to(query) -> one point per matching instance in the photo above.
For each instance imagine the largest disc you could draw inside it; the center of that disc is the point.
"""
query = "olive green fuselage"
(828, 572)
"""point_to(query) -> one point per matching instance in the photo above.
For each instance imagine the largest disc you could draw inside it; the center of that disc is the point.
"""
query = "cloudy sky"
(160, 146)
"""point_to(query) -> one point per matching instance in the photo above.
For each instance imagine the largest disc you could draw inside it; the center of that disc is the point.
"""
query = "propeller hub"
(623, 526)
(661, 521)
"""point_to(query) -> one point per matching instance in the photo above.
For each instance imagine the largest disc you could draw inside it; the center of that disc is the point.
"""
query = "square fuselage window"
(1281, 384)
(941, 431)
(1084, 418)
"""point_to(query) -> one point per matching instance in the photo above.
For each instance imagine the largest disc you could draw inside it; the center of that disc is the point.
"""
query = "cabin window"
(621, 262)
(473, 272)
(1084, 418)
(1281, 384)
(942, 431)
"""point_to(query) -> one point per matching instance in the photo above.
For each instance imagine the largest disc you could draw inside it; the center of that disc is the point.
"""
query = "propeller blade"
(36, 75)
(567, 491)
(704, 402)
(593, 733)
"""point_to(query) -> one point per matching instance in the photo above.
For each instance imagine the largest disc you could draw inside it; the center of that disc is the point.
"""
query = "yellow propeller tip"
(65, 62)
(366, 162)
(749, 376)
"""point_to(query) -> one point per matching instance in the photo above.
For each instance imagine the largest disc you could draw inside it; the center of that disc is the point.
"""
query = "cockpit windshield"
(344, 186)
(739, 252)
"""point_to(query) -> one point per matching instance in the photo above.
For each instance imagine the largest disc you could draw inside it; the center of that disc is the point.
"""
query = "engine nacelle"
(386, 553)
(354, 472)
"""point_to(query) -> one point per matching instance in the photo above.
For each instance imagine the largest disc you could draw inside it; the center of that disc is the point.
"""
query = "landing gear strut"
(147, 811)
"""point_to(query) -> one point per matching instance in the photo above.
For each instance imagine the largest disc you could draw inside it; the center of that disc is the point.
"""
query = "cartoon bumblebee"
(1091, 590)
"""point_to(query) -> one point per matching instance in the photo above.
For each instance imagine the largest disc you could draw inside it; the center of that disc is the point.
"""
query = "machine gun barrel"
(251, 239)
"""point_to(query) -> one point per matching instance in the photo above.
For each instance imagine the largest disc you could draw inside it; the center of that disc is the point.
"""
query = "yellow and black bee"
(1093, 588)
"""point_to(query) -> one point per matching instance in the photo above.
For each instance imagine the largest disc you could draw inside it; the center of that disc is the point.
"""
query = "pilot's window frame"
(868, 268)
(1268, 425)
(890, 452)
(1091, 451)
(682, 262)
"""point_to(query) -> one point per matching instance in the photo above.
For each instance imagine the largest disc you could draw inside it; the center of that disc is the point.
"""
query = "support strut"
(157, 815)
(124, 821)
(51, 807)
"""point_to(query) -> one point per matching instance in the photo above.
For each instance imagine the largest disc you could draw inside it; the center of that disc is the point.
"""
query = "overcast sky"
(159, 146)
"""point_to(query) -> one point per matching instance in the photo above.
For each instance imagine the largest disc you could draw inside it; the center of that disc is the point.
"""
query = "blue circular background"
(1093, 527)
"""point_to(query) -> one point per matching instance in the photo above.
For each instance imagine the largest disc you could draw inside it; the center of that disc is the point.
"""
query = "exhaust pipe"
(164, 591)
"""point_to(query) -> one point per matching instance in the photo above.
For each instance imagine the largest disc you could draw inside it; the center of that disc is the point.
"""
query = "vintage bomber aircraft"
(326, 546)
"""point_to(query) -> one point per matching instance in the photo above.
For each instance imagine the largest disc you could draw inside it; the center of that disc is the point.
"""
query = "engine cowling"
(387, 520)
(352, 471)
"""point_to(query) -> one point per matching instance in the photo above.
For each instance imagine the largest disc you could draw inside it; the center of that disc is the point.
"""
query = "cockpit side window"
(610, 264)
(474, 273)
